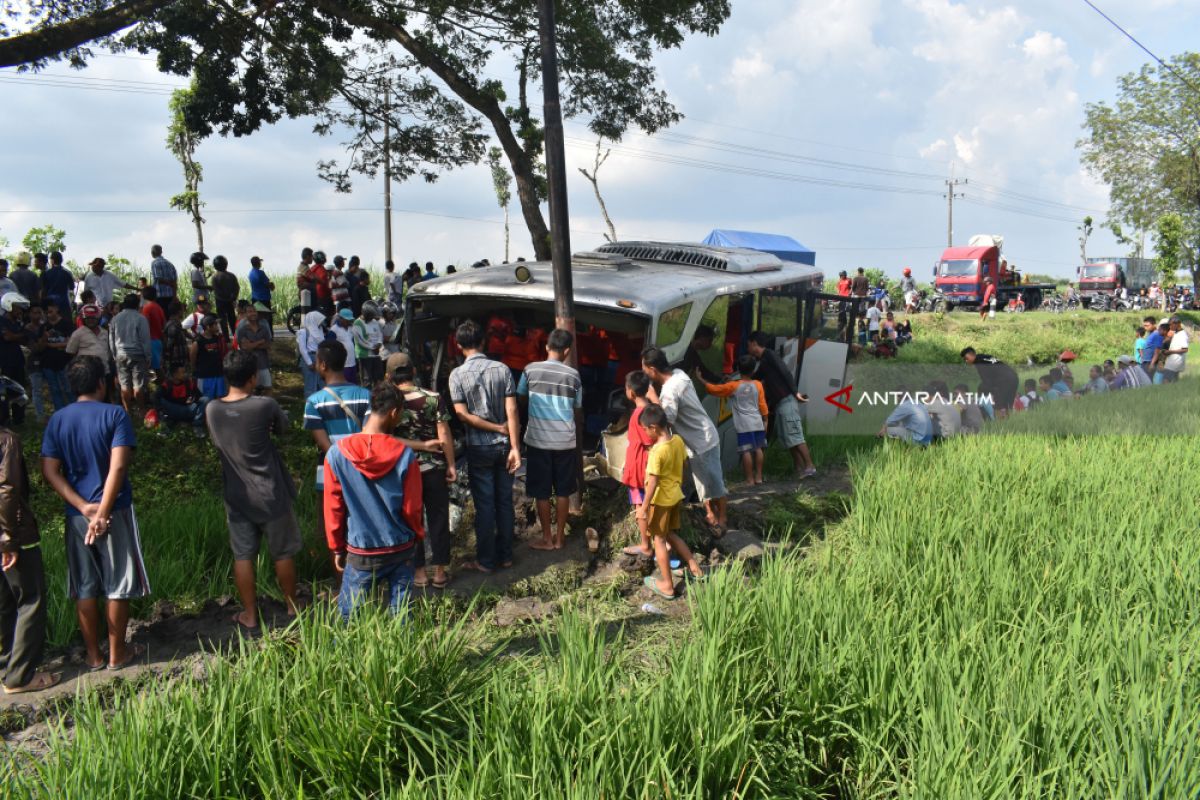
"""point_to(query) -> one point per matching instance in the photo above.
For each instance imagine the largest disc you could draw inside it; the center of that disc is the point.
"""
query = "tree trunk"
(488, 106)
(198, 221)
(506, 236)
(50, 41)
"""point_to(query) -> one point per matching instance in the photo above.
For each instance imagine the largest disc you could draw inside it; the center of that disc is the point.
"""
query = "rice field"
(1000, 616)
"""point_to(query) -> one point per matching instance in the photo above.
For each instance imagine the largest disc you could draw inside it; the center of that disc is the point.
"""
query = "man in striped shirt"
(555, 394)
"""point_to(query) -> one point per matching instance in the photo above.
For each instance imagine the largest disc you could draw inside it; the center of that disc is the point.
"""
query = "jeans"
(358, 585)
(192, 414)
(312, 381)
(492, 491)
(56, 381)
(435, 497)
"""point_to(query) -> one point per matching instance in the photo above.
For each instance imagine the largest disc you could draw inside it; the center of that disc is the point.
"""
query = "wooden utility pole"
(556, 174)
(560, 233)
(387, 173)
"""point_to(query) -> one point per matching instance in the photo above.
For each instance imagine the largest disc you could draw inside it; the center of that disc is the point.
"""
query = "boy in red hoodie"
(373, 517)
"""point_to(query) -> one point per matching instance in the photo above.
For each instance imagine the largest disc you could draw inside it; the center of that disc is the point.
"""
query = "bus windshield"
(958, 268)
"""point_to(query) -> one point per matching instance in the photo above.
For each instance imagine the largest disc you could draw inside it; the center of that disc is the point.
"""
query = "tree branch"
(43, 43)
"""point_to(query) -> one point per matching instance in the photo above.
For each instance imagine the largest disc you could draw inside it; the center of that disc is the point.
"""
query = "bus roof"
(657, 281)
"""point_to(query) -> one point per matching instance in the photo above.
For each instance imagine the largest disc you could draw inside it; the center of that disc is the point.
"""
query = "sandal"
(593, 540)
(475, 566)
(40, 681)
(636, 550)
(134, 652)
(652, 584)
(442, 584)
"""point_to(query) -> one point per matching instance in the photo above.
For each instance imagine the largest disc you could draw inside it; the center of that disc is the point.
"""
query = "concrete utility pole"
(951, 185)
(556, 174)
(387, 173)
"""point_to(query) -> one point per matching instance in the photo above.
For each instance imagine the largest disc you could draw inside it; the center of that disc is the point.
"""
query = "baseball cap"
(96, 261)
(1124, 359)
(346, 313)
(255, 261)
(396, 360)
(90, 311)
(1066, 355)
(1165, 321)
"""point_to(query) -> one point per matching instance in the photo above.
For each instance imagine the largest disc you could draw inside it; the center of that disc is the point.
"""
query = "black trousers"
(435, 497)
(22, 618)
(227, 314)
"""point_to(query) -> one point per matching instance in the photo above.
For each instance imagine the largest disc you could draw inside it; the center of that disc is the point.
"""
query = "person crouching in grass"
(373, 507)
(23, 587)
(663, 505)
(749, 416)
(86, 452)
(259, 490)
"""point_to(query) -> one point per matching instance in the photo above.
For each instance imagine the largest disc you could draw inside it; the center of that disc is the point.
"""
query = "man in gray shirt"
(129, 344)
(259, 490)
(255, 337)
(485, 400)
(678, 398)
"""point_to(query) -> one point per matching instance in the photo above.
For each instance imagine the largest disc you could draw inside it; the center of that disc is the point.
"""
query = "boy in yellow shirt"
(660, 510)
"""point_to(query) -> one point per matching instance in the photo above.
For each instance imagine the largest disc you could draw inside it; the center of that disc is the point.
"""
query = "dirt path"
(181, 643)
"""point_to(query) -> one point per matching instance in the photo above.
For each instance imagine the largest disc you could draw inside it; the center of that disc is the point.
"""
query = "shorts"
(282, 535)
(131, 373)
(789, 428)
(751, 441)
(708, 475)
(910, 298)
(1168, 375)
(213, 388)
(110, 567)
(550, 472)
(264, 378)
(663, 520)
(637, 496)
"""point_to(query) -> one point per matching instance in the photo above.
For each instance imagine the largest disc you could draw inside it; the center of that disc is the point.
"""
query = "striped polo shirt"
(554, 391)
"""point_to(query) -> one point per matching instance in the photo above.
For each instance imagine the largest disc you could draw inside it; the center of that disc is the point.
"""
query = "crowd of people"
(385, 447)
(934, 412)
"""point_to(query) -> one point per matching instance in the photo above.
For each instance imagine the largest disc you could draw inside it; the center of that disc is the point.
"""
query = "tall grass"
(1000, 616)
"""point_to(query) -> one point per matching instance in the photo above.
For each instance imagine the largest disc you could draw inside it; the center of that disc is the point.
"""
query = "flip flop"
(41, 680)
(442, 584)
(635, 550)
(136, 651)
(95, 667)
(420, 584)
(650, 583)
(475, 566)
(245, 629)
(593, 540)
(541, 545)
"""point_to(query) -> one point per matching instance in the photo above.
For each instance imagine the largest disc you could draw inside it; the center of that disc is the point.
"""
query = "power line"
(1147, 50)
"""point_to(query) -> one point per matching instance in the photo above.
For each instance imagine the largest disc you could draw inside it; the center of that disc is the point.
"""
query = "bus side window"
(717, 318)
(671, 324)
(778, 314)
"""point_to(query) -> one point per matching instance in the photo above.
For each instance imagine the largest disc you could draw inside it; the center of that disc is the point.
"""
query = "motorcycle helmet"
(23, 259)
(197, 259)
(370, 310)
(907, 271)
(14, 300)
(388, 309)
(220, 263)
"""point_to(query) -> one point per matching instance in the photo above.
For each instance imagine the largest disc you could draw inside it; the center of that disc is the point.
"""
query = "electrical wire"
(1147, 50)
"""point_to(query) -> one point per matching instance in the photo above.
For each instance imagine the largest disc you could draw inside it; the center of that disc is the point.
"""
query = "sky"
(791, 100)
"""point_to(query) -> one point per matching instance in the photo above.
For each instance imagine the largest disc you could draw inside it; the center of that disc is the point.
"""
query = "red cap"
(1067, 355)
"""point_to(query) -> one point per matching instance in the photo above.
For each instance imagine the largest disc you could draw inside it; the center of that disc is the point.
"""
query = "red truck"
(959, 274)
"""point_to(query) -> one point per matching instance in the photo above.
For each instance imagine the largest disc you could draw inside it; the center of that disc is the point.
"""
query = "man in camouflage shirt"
(426, 418)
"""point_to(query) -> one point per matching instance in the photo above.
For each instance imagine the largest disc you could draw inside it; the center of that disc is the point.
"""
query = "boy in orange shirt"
(661, 509)
(749, 416)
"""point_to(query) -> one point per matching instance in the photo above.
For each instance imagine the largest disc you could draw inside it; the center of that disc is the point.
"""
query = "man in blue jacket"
(373, 511)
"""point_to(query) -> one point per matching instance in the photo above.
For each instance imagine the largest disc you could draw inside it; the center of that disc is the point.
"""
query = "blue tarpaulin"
(785, 247)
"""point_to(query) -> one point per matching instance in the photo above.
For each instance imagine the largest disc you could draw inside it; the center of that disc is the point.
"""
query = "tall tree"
(256, 61)
(1085, 233)
(502, 183)
(45, 239)
(1146, 147)
(593, 178)
(182, 142)
(1171, 251)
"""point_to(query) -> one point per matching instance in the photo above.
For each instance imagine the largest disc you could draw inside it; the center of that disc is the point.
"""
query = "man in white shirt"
(1176, 352)
(873, 317)
(103, 283)
(678, 398)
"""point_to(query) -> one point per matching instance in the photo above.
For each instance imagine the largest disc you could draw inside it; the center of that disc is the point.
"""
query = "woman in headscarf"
(308, 338)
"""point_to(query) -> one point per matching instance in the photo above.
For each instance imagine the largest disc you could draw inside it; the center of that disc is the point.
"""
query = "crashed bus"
(628, 296)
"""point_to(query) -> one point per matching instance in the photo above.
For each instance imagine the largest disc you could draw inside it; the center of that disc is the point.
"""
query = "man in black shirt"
(783, 402)
(995, 378)
(701, 341)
